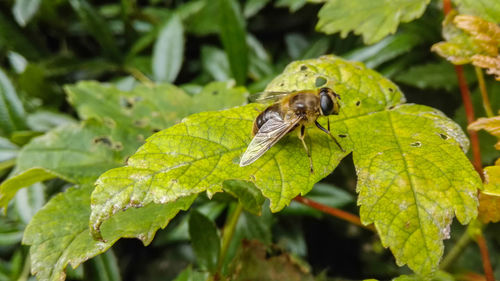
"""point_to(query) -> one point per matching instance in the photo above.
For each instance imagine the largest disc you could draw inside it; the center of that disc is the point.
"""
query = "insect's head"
(329, 101)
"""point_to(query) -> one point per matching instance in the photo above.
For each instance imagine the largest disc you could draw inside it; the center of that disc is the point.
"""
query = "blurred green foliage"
(47, 47)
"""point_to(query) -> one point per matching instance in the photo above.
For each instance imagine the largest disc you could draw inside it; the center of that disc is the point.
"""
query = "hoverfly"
(292, 110)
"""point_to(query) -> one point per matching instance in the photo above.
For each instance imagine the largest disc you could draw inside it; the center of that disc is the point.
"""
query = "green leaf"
(97, 27)
(373, 19)
(252, 7)
(66, 238)
(9, 187)
(203, 22)
(205, 240)
(104, 268)
(14, 39)
(429, 180)
(180, 232)
(385, 50)
(438, 276)
(293, 5)
(28, 201)
(24, 10)
(44, 120)
(11, 109)
(488, 10)
(233, 37)
(189, 274)
(413, 175)
(168, 51)
(440, 75)
(8, 152)
(17, 62)
(248, 195)
(79, 153)
(215, 62)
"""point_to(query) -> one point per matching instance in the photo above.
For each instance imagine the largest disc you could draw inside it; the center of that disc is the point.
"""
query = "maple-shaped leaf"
(489, 208)
(413, 175)
(470, 39)
(489, 198)
(491, 125)
(491, 64)
(59, 233)
(373, 19)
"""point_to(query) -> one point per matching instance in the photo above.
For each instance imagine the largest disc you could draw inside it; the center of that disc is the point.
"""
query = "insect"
(292, 110)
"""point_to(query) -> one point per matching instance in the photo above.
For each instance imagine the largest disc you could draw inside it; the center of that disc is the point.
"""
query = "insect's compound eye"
(328, 102)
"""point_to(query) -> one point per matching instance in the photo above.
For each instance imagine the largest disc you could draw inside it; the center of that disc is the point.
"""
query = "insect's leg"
(328, 122)
(330, 134)
(302, 134)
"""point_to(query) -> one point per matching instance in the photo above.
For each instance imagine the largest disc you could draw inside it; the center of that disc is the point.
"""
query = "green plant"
(154, 149)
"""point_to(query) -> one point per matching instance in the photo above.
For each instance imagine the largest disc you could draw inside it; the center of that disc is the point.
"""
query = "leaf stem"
(333, 212)
(484, 92)
(227, 236)
(139, 76)
(483, 248)
(456, 251)
(26, 269)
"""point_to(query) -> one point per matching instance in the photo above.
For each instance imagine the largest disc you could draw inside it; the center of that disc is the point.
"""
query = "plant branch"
(456, 251)
(484, 92)
(227, 236)
(488, 271)
(139, 76)
(333, 212)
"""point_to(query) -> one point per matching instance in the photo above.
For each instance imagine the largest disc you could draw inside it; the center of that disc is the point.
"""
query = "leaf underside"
(413, 175)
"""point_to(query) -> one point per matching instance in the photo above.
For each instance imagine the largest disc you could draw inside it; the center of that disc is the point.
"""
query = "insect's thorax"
(305, 105)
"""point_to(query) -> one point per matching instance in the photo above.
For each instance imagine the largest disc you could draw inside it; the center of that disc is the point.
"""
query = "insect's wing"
(269, 134)
(268, 97)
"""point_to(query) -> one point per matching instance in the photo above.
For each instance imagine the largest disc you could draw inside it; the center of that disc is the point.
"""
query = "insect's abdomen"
(272, 111)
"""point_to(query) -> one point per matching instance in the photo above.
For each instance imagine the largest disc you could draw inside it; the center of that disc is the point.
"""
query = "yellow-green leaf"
(413, 175)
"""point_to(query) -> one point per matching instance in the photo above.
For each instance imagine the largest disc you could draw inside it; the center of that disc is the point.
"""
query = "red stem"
(476, 153)
(483, 248)
(469, 112)
(333, 212)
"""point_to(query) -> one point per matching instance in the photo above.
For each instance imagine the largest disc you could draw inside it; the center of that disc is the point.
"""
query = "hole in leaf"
(320, 81)
(103, 140)
(303, 67)
(391, 90)
(117, 146)
(416, 144)
(443, 136)
(358, 103)
(282, 84)
(391, 107)
(236, 160)
(141, 123)
(342, 136)
(127, 103)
